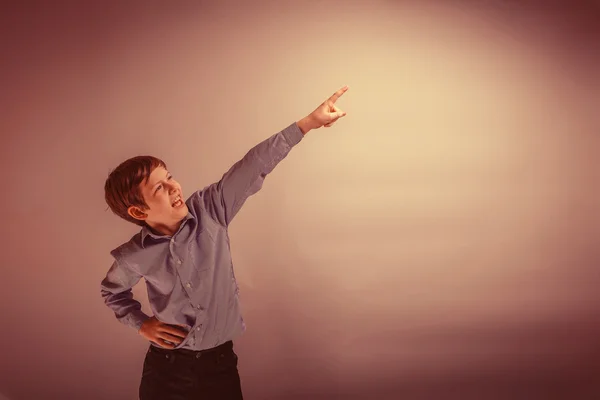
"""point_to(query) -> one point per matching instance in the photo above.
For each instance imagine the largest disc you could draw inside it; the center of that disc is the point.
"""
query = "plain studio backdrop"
(439, 242)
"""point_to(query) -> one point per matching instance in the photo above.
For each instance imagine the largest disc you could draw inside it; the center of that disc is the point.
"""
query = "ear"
(137, 213)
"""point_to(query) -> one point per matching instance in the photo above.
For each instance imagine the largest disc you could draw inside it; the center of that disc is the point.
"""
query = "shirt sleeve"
(116, 292)
(223, 199)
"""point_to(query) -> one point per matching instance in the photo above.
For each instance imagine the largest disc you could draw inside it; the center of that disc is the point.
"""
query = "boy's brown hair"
(122, 187)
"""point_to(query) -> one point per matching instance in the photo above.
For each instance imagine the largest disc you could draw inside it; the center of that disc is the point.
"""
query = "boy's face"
(166, 205)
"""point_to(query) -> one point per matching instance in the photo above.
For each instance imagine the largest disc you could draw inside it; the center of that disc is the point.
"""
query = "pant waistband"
(228, 345)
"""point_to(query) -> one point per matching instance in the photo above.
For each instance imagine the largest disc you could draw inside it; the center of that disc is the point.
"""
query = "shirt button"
(199, 307)
(188, 285)
(179, 262)
(198, 328)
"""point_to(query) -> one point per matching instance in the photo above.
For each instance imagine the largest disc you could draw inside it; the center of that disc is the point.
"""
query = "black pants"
(183, 374)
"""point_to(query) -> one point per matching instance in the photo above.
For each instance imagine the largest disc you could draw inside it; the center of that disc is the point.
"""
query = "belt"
(228, 345)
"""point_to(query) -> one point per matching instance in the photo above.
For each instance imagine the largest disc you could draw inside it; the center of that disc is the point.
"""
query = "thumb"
(337, 113)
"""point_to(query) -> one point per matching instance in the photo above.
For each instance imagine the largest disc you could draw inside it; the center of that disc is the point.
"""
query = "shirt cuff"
(136, 319)
(292, 134)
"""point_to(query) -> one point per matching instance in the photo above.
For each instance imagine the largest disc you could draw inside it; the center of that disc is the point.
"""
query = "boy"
(182, 252)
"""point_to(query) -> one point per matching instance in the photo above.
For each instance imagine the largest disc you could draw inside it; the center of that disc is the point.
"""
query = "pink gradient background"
(440, 242)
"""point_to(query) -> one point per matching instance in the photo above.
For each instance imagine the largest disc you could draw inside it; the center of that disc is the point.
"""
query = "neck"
(163, 229)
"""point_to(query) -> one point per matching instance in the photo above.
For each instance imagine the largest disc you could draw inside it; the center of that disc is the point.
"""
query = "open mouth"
(177, 203)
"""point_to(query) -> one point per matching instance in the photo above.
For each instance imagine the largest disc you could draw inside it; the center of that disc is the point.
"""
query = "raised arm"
(225, 198)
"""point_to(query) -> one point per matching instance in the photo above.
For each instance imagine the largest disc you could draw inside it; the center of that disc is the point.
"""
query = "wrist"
(305, 124)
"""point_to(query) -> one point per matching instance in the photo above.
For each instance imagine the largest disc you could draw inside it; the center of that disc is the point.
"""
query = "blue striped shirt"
(189, 276)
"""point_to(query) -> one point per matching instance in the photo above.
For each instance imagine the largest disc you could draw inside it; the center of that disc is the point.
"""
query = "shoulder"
(129, 249)
(202, 205)
(197, 201)
(196, 197)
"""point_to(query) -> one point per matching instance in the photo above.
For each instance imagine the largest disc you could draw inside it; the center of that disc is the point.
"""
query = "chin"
(181, 210)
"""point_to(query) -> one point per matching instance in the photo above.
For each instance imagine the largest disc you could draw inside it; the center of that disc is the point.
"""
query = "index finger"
(337, 94)
(174, 331)
(164, 345)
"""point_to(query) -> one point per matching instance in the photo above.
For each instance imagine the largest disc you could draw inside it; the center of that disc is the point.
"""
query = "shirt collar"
(146, 231)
